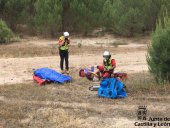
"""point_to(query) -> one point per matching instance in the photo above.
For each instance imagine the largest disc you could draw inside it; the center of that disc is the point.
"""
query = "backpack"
(111, 88)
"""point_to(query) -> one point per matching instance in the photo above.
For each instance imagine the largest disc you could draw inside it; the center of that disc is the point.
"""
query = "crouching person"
(107, 69)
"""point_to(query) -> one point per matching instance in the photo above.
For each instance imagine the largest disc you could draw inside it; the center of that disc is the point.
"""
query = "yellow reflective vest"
(108, 64)
(65, 45)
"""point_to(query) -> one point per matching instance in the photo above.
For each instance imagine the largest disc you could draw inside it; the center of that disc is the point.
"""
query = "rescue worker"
(107, 69)
(63, 43)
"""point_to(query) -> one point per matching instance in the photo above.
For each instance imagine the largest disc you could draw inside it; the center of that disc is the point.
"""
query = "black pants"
(64, 54)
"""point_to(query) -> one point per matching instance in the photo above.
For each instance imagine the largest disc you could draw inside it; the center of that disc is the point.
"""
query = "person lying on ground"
(89, 74)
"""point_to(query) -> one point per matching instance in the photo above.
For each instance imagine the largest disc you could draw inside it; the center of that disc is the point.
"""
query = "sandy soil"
(73, 105)
(18, 70)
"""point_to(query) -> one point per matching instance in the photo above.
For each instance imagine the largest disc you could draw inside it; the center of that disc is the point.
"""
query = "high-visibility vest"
(108, 64)
(65, 45)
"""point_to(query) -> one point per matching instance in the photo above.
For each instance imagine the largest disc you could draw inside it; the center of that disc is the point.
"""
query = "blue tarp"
(51, 75)
(111, 88)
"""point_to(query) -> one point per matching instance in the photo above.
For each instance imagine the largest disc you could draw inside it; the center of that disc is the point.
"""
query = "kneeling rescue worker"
(107, 69)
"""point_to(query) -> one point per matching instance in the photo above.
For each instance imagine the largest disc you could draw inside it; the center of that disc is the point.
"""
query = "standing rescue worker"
(63, 43)
(107, 69)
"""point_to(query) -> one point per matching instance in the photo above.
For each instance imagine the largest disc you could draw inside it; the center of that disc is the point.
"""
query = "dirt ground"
(72, 105)
(130, 57)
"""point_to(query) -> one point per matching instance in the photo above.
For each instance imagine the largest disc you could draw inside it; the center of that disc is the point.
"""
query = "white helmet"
(106, 54)
(66, 34)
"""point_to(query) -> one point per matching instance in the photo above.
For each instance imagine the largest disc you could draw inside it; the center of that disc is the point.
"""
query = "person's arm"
(93, 73)
(61, 41)
(113, 64)
(68, 40)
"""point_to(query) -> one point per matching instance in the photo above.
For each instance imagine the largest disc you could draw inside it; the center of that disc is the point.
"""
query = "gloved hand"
(66, 39)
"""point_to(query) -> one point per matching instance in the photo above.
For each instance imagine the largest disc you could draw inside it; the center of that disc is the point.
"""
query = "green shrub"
(158, 57)
(5, 32)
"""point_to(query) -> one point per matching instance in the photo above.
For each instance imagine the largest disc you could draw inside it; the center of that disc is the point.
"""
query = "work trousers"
(64, 55)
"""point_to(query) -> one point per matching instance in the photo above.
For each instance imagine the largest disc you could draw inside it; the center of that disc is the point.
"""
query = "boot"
(67, 72)
(62, 71)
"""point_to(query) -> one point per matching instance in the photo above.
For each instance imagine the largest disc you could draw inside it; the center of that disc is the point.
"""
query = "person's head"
(106, 55)
(66, 34)
(82, 73)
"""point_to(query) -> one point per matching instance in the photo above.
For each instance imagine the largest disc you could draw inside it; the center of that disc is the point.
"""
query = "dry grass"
(144, 83)
(73, 105)
(22, 49)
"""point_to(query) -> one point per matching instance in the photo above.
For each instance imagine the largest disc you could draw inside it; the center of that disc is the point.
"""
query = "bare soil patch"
(18, 60)
(72, 105)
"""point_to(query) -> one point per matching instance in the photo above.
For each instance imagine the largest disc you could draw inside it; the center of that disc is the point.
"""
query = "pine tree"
(86, 15)
(107, 15)
(48, 16)
(128, 17)
(81, 16)
(158, 57)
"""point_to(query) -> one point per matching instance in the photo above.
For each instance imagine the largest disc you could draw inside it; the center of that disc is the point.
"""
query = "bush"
(158, 57)
(5, 32)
